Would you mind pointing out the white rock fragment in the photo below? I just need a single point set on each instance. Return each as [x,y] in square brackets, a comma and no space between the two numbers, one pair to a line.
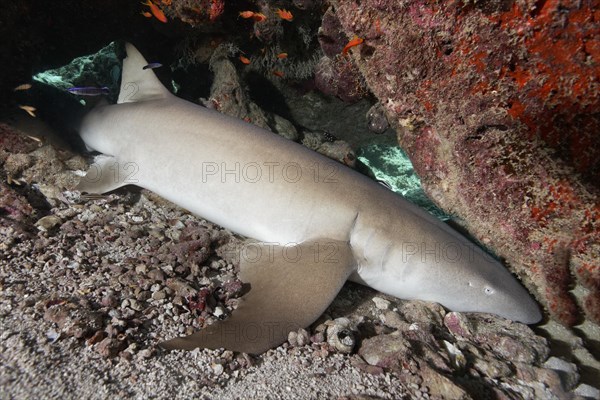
[145,353]
[380,303]
[86,215]
[218,311]
[587,391]
[52,335]
[155,288]
[135,305]
[458,358]
[159,295]
[217,368]
[48,222]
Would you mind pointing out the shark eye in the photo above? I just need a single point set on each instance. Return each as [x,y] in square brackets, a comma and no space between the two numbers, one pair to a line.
[488,290]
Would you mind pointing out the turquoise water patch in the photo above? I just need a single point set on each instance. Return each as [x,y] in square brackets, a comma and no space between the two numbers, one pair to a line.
[100,69]
[390,164]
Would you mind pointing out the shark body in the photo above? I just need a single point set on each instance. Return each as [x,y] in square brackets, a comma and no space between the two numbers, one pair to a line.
[316,222]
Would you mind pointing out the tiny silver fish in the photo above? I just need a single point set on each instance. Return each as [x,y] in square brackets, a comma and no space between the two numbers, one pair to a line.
[385,183]
[152,65]
[89,90]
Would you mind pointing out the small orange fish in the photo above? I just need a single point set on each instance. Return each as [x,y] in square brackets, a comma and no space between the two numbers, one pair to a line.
[156,11]
[281,56]
[354,42]
[278,73]
[29,109]
[259,17]
[247,14]
[25,86]
[285,14]
[166,2]
[244,60]
[146,14]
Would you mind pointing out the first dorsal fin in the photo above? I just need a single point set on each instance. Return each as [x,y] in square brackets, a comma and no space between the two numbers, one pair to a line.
[137,83]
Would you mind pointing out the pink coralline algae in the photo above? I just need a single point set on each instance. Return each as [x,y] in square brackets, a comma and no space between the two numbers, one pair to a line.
[336,74]
[339,77]
[13,142]
[14,206]
[497,106]
[196,12]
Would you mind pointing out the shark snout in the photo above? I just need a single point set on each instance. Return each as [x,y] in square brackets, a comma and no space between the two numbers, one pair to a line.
[509,299]
[487,286]
[474,283]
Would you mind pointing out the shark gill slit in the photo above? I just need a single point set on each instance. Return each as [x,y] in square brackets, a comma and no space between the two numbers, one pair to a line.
[385,255]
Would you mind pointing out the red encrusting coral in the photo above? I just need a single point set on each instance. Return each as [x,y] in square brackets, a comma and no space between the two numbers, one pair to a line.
[196,12]
[497,106]
[216,9]
[559,76]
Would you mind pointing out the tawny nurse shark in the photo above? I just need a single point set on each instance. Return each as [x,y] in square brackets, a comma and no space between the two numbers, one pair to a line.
[315,222]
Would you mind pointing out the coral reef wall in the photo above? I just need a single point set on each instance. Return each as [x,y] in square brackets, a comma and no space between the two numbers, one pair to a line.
[496,104]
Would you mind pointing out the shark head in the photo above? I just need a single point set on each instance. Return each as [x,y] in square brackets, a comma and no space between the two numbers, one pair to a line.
[457,274]
[446,268]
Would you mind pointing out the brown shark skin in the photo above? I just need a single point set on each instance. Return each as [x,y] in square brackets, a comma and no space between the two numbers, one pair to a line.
[276,191]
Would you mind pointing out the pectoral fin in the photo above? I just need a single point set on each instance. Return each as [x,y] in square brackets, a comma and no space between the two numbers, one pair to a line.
[291,286]
[107,173]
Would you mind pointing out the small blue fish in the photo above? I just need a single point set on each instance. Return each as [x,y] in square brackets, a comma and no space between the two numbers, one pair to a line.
[89,90]
[152,65]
